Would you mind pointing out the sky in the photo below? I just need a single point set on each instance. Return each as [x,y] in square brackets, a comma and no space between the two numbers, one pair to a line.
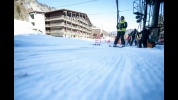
[55,68]
[102,13]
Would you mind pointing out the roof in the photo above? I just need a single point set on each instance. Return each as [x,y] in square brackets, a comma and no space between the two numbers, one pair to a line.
[36,12]
[70,11]
[65,10]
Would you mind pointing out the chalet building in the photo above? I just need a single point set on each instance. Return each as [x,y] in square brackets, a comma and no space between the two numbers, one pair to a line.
[65,23]
[68,23]
[37,21]
[97,32]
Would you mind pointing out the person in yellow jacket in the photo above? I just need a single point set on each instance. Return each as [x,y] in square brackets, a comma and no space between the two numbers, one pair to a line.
[121,28]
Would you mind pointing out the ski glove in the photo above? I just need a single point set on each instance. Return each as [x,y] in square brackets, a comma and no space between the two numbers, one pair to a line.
[119,26]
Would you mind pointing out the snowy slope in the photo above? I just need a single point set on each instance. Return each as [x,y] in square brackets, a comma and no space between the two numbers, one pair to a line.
[54,68]
[23,27]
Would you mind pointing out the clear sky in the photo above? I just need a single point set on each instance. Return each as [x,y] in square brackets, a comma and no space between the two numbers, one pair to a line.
[102,13]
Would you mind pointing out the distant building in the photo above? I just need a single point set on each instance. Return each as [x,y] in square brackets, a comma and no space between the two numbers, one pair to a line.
[37,21]
[98,32]
[67,23]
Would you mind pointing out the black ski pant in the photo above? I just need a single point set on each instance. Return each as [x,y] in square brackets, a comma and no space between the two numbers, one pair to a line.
[142,41]
[128,42]
[120,34]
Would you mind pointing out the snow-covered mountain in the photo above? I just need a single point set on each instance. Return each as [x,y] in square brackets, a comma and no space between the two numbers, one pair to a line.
[23,7]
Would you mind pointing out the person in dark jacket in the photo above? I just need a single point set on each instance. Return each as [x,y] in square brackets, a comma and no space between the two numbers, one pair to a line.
[144,38]
[121,28]
[138,37]
[133,33]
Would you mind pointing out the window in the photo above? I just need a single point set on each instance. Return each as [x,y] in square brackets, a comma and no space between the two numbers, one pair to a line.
[94,34]
[32,16]
[33,23]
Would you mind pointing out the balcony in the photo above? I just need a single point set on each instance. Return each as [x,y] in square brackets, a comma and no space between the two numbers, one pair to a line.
[55,24]
[82,20]
[55,18]
[57,34]
[55,31]
[66,18]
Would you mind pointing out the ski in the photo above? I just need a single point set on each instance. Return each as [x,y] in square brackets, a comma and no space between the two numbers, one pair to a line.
[116,46]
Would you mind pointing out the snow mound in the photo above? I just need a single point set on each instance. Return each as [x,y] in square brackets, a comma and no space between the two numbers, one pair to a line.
[23,27]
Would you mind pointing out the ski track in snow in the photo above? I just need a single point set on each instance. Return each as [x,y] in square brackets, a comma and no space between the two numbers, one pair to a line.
[115,74]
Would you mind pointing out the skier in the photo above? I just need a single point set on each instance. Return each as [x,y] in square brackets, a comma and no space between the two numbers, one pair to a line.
[121,28]
[128,39]
[133,34]
[144,38]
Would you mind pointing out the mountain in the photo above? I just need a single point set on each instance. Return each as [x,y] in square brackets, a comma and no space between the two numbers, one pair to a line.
[23,7]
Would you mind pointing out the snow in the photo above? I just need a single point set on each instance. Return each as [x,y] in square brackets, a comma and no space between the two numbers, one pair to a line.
[55,68]
[23,27]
